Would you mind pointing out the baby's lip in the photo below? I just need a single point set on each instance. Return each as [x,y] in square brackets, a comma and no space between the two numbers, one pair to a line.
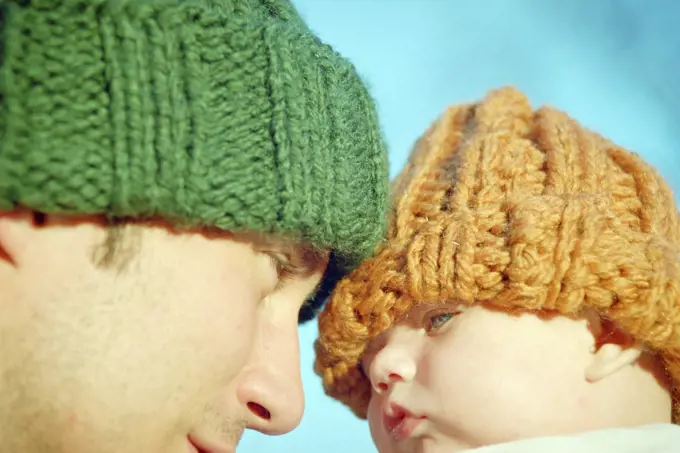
[399,422]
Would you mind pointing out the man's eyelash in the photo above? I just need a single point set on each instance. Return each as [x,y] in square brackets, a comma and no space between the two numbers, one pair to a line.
[285,272]
[283,267]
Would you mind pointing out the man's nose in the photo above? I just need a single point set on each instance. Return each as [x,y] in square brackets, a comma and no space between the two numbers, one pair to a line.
[271,388]
[395,362]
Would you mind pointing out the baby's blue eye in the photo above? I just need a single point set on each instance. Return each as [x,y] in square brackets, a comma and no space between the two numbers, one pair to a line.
[437,321]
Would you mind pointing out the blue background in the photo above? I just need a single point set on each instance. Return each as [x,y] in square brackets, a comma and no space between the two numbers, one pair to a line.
[608,63]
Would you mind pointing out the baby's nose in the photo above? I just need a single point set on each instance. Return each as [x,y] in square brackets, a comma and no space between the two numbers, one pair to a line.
[390,365]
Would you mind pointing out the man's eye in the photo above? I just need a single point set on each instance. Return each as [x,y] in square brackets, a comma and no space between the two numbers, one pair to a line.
[283,267]
[437,321]
[285,273]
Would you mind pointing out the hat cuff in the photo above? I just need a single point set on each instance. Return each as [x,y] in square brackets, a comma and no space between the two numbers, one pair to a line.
[180,113]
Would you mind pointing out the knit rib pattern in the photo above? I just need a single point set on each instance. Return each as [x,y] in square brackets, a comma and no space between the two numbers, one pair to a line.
[225,113]
[521,209]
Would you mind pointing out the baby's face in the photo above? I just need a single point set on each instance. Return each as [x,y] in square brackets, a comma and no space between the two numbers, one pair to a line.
[448,378]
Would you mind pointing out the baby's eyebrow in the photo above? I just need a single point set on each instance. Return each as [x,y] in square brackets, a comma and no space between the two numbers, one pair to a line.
[413,315]
[416,313]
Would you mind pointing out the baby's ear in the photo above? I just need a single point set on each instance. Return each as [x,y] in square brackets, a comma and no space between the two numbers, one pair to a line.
[614,350]
[611,358]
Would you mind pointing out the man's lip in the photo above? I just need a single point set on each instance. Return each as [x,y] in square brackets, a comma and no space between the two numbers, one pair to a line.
[202,445]
[399,422]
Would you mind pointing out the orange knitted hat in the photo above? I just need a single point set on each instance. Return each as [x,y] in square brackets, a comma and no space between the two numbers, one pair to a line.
[522,209]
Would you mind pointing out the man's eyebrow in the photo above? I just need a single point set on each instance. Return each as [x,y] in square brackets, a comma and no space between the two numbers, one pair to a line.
[305,259]
[298,258]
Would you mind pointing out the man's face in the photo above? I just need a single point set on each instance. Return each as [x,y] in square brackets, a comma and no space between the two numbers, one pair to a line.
[193,341]
[449,378]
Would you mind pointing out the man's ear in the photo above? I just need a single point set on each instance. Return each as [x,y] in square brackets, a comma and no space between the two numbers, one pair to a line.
[16,230]
[610,358]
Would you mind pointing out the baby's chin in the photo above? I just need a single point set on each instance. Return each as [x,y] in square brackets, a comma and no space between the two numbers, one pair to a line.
[421,445]
[428,440]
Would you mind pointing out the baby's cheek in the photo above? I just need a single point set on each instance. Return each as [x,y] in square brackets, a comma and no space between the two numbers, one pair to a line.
[460,375]
[374,417]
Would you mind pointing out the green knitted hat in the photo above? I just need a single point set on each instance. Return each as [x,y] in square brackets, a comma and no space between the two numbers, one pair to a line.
[223,113]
